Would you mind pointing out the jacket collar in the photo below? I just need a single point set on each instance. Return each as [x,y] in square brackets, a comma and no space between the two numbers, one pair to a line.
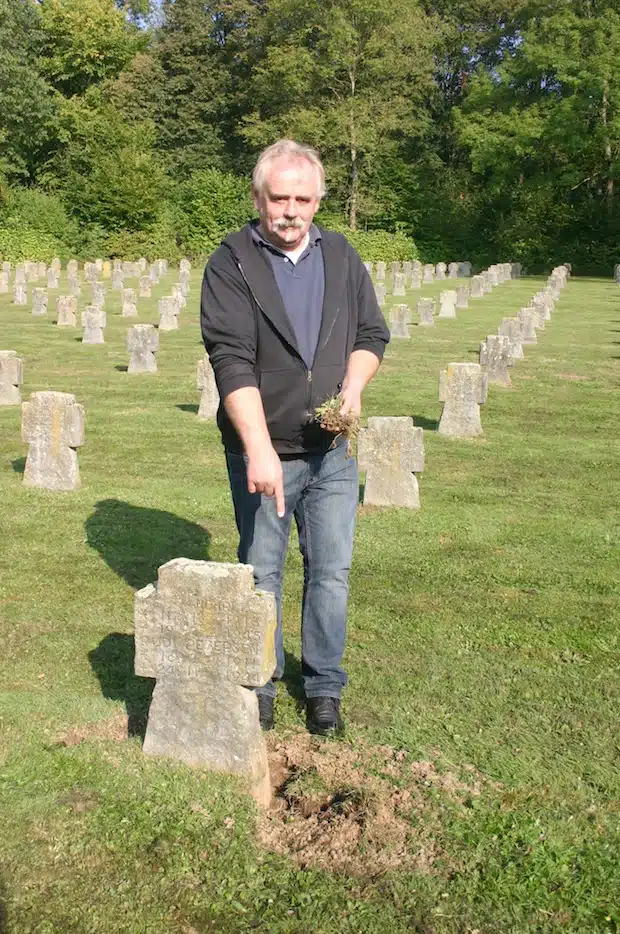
[258,274]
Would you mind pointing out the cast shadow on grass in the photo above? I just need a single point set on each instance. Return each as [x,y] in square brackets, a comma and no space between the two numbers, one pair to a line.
[19,466]
[428,424]
[113,663]
[188,407]
[135,541]
[121,367]
[360,492]
[293,682]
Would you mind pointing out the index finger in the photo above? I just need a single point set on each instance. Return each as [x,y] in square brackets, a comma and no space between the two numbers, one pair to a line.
[280,503]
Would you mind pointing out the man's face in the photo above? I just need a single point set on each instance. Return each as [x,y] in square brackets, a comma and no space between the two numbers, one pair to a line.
[288,202]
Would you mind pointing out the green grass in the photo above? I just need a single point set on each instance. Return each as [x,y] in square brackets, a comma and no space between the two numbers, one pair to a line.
[483,631]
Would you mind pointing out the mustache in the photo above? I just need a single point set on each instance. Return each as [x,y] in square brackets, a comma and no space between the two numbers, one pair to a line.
[285,223]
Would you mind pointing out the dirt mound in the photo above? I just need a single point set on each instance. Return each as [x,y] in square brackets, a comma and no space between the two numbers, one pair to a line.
[362,810]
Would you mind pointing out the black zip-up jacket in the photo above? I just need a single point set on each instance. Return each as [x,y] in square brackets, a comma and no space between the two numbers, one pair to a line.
[251,342]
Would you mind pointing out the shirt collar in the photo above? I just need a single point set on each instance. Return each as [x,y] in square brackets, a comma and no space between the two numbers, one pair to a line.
[314,235]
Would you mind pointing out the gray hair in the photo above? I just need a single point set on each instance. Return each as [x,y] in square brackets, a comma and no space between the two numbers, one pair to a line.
[295,152]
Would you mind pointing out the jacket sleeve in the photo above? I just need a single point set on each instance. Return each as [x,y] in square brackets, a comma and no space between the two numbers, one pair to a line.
[372,332]
[228,324]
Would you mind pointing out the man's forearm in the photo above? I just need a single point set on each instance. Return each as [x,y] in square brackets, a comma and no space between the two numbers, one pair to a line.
[362,366]
[244,408]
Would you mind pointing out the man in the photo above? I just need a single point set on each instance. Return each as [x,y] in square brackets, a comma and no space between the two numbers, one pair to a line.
[289,319]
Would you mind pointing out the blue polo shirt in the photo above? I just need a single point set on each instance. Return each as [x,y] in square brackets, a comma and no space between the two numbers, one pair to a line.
[302,287]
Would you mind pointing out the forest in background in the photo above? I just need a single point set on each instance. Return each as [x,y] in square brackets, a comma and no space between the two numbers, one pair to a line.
[474,129]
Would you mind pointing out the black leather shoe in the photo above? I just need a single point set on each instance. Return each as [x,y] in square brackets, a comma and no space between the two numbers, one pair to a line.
[265,711]
[324,716]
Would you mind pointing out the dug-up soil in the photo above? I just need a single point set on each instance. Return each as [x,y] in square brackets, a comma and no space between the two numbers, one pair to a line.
[360,810]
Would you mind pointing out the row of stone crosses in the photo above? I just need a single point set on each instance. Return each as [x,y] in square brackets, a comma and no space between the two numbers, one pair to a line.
[390,449]
[94,318]
[449,299]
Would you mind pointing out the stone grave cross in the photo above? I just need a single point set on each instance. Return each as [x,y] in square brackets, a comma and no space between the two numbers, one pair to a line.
[53,426]
[391,451]
[207,636]
[462,389]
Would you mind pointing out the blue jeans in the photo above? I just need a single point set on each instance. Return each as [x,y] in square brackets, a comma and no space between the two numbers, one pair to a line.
[321,492]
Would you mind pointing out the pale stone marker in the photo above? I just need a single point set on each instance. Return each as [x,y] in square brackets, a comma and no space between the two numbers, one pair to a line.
[4,282]
[6,268]
[477,287]
[20,274]
[117,279]
[209,396]
[142,344]
[93,322]
[400,320]
[398,284]
[154,273]
[380,293]
[453,271]
[207,636]
[528,326]
[178,296]
[487,282]
[538,314]
[66,308]
[184,265]
[39,302]
[462,296]
[367,267]
[146,287]
[53,426]
[416,281]
[20,295]
[380,271]
[465,270]
[11,377]
[440,271]
[429,273]
[496,355]
[394,268]
[426,312]
[128,303]
[52,278]
[74,286]
[447,304]
[511,328]
[98,294]
[72,267]
[391,451]
[516,270]
[462,389]
[168,314]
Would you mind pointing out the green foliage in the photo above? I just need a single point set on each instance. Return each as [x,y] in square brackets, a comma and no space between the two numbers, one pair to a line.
[109,172]
[209,206]
[21,242]
[26,104]
[152,242]
[373,245]
[84,42]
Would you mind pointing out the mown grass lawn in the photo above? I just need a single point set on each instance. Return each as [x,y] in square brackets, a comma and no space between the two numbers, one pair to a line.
[483,639]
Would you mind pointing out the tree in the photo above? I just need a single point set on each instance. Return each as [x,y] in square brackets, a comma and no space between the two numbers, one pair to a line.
[108,172]
[27,110]
[85,42]
[351,77]
[544,128]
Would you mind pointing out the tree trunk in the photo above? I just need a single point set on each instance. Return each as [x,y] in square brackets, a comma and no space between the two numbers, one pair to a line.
[609,187]
[353,198]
